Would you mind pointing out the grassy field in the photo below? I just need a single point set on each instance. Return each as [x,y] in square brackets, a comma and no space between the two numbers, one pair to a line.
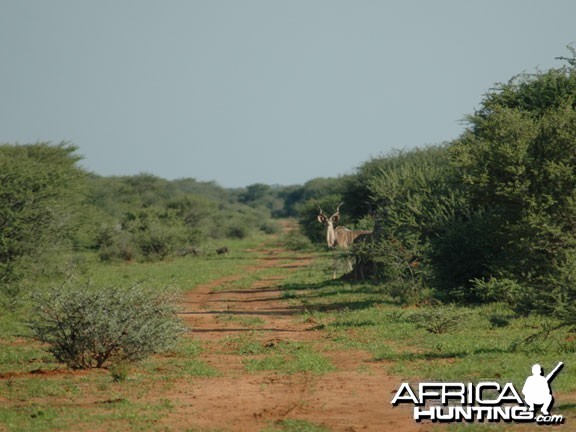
[444,343]
[413,343]
[37,394]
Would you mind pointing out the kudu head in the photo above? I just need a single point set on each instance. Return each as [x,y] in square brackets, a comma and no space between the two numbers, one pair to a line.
[329,223]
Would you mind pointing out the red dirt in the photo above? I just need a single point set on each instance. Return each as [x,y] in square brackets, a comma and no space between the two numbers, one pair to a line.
[354,398]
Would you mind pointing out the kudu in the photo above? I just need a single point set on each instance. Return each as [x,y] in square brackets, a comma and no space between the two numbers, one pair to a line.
[340,237]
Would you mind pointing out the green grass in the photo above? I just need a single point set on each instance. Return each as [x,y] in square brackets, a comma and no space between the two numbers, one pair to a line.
[290,358]
[51,404]
[66,415]
[23,356]
[183,273]
[121,398]
[442,343]
[46,402]
[245,344]
[415,343]
[295,425]
[178,273]
[445,343]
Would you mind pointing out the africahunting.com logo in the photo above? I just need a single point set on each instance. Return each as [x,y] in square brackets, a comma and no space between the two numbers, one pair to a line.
[486,401]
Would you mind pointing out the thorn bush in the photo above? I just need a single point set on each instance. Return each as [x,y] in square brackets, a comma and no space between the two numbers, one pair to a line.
[440,319]
[87,327]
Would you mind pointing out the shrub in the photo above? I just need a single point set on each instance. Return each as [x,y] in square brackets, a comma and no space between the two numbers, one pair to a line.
[296,241]
[440,319]
[516,162]
[119,372]
[87,327]
[116,244]
[237,232]
[147,234]
[270,227]
[414,198]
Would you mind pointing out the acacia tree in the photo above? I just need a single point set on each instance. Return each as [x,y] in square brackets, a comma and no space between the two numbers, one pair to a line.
[518,164]
[414,197]
[39,184]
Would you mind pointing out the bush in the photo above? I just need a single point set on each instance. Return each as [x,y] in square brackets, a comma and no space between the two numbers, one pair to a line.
[146,218]
[270,227]
[516,162]
[147,234]
[414,198]
[490,216]
[296,241]
[116,244]
[40,188]
[440,319]
[87,327]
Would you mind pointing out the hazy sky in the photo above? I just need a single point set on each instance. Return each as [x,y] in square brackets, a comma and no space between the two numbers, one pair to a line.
[269,91]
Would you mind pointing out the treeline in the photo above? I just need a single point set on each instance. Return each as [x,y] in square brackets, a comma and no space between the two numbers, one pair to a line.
[488,217]
[52,210]
[151,218]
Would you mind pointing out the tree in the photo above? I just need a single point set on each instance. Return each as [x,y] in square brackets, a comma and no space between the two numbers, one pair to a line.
[39,187]
[254,193]
[414,198]
[518,164]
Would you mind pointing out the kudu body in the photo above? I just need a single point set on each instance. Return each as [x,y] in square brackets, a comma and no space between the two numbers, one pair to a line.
[340,237]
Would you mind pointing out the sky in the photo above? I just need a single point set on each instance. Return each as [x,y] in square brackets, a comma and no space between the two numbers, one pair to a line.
[260,91]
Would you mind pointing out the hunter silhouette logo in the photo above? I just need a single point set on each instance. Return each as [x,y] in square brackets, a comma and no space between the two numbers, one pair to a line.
[537,390]
[485,401]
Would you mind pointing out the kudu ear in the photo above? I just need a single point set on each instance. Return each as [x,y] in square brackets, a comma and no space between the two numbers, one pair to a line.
[322,219]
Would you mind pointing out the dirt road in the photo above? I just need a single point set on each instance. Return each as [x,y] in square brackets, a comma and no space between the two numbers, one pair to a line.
[354,397]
